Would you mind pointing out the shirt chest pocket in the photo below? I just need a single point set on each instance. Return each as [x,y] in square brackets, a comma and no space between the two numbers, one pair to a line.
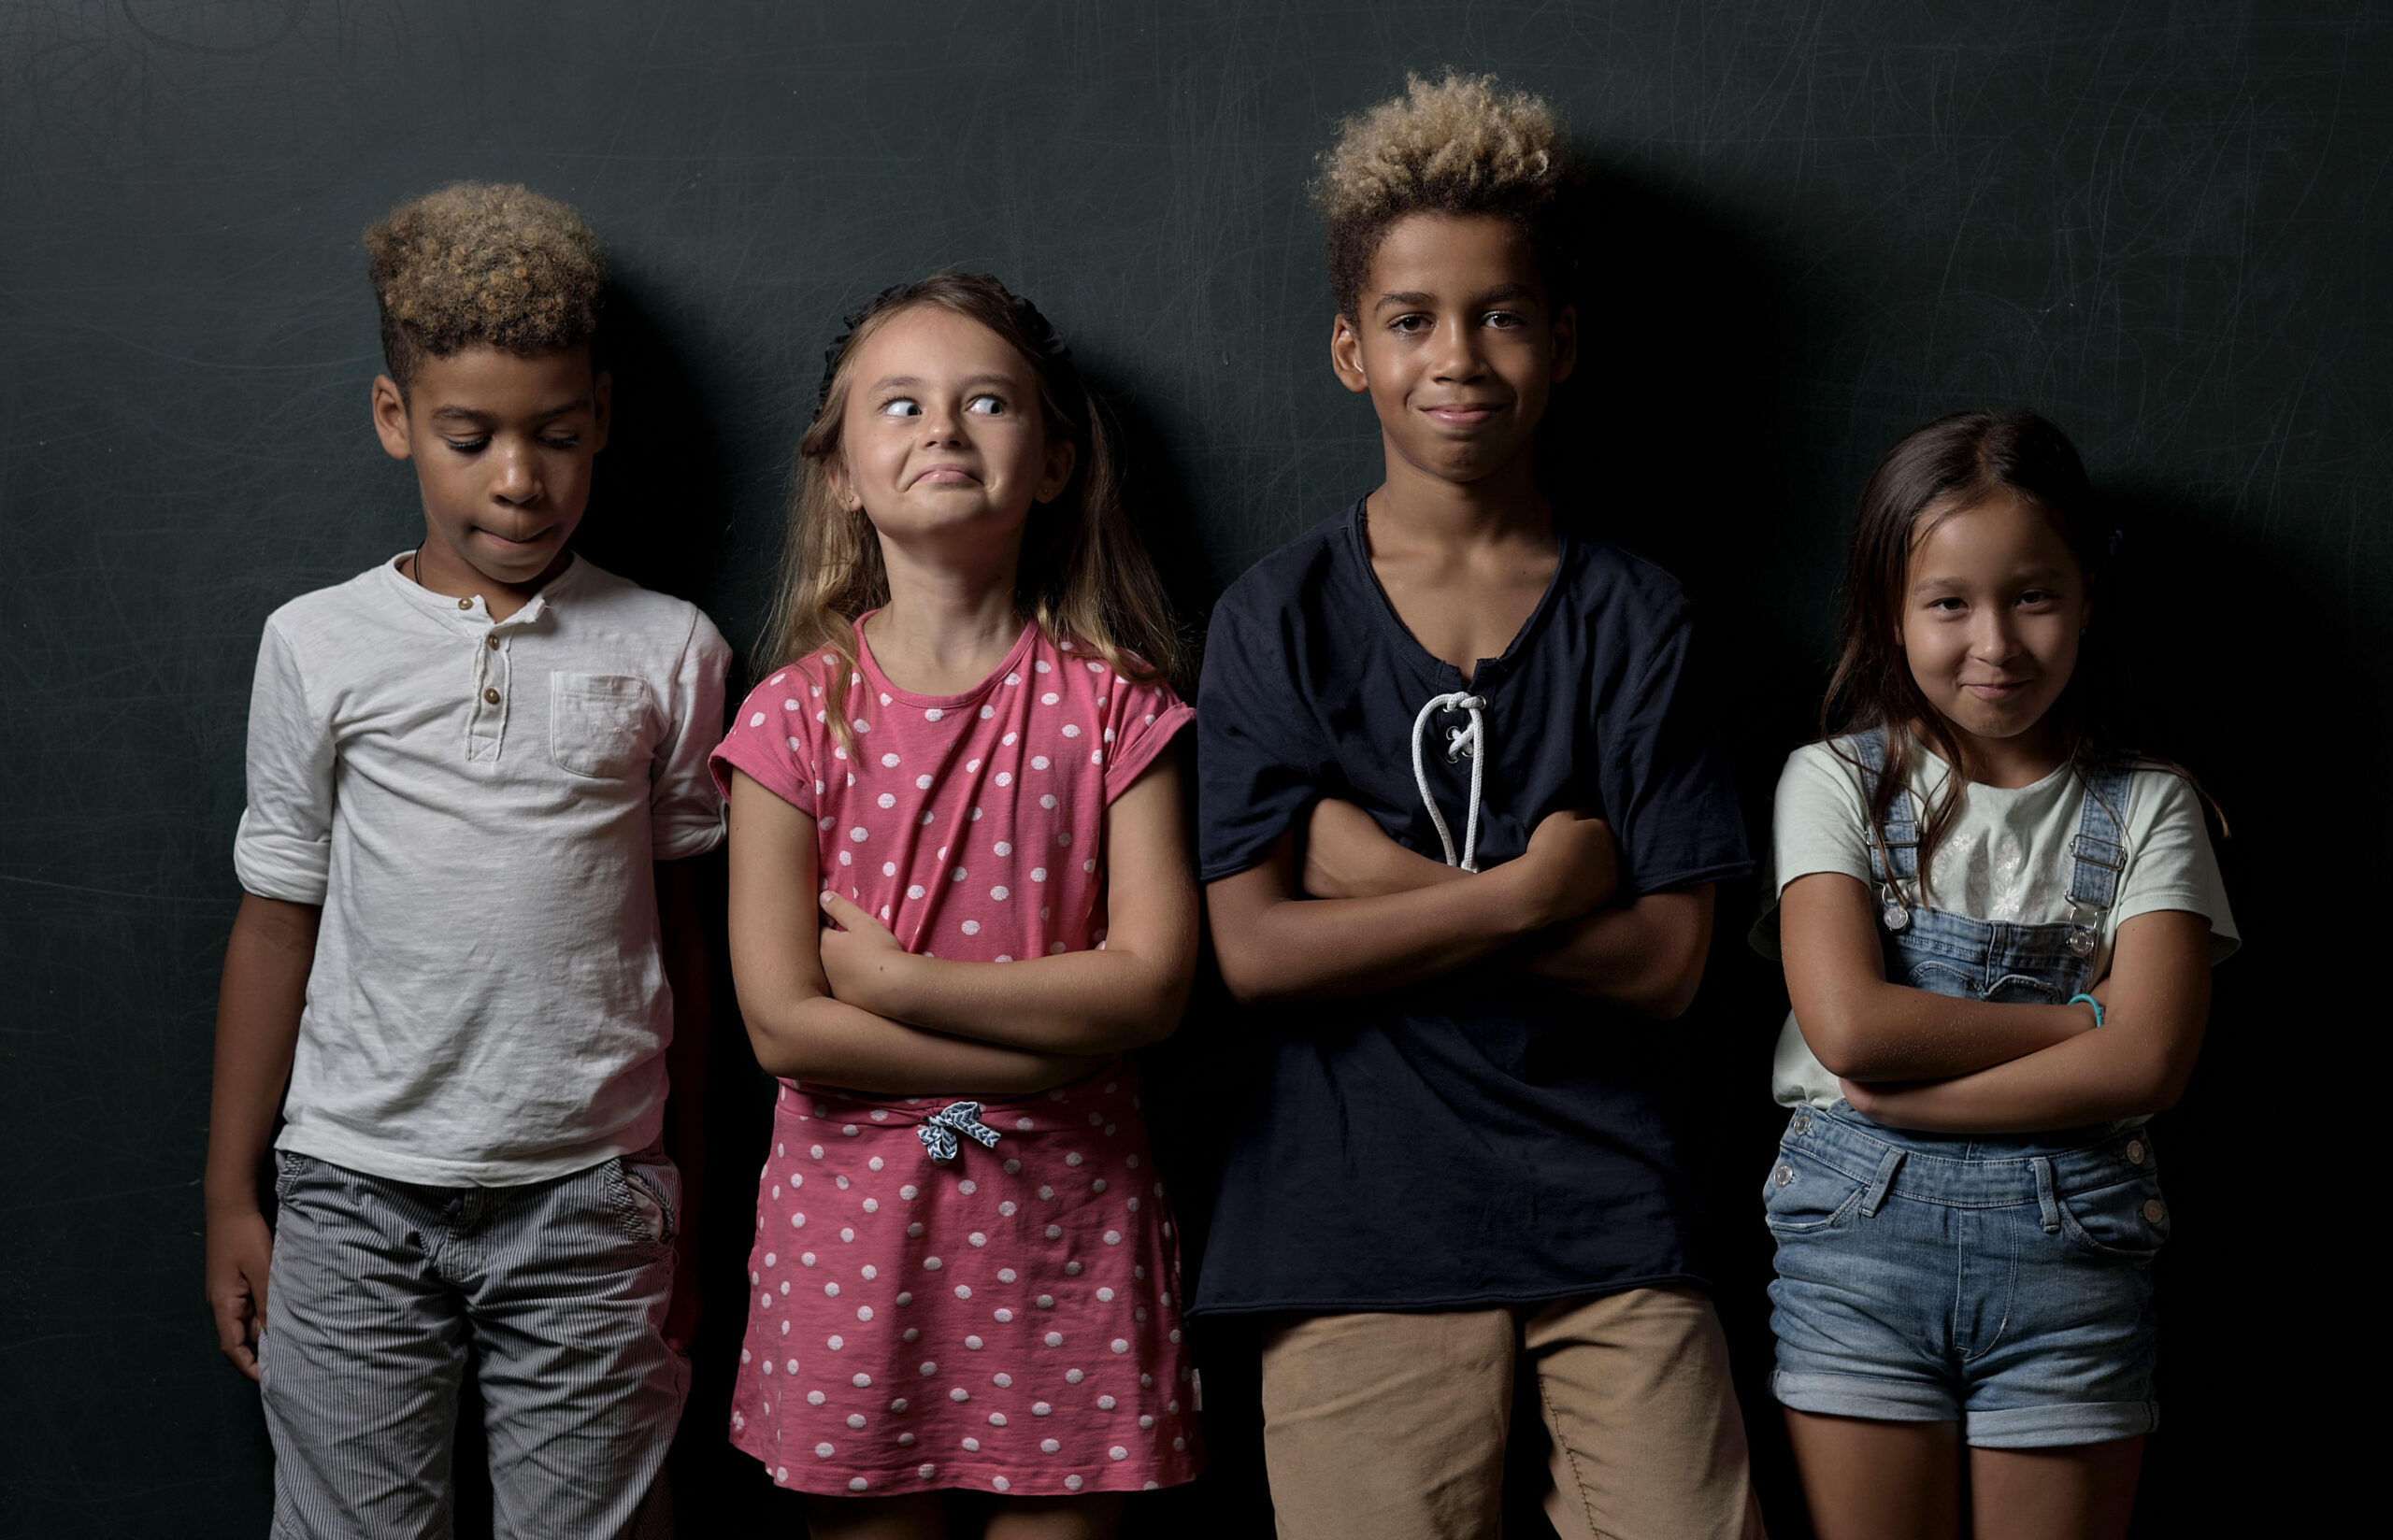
[598,724]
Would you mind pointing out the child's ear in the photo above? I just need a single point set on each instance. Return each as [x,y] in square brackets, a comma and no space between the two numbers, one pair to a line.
[1346,354]
[835,476]
[1566,343]
[1062,455]
[390,408]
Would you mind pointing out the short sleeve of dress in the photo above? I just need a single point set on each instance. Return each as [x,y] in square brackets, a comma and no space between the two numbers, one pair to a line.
[1258,765]
[1142,719]
[776,740]
[2172,864]
[1815,826]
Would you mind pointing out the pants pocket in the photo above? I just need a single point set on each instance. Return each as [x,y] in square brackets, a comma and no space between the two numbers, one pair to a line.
[2127,1220]
[647,1189]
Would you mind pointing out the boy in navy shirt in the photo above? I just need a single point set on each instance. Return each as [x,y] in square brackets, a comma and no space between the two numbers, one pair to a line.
[1459,834]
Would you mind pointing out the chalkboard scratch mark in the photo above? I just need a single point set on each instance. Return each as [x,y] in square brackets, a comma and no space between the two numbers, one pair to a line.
[105,892]
[76,1200]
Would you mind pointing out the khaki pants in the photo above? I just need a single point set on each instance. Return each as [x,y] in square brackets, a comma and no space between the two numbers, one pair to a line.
[1392,1426]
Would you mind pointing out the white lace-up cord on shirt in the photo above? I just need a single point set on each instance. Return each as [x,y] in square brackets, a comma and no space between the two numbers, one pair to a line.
[1471,740]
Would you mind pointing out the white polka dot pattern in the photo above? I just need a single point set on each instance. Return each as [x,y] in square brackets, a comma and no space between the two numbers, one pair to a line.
[1049,1356]
[995,778]
[1023,1295]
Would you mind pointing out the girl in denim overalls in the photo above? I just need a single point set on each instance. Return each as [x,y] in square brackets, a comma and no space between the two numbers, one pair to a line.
[1998,934]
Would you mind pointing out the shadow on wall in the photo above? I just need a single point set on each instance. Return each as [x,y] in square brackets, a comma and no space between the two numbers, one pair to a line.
[2243,704]
[660,509]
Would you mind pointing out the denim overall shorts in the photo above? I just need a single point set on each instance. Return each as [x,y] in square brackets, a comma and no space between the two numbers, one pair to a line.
[2004,1281]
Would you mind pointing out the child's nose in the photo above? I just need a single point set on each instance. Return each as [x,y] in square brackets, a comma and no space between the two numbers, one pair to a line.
[1994,637]
[517,476]
[1456,357]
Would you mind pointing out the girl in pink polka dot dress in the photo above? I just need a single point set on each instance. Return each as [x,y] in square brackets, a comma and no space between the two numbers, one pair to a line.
[959,893]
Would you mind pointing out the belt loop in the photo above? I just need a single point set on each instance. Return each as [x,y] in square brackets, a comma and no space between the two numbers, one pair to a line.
[1878,1185]
[2045,1198]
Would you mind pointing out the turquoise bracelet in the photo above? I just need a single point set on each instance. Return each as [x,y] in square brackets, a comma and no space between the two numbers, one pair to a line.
[2091,1001]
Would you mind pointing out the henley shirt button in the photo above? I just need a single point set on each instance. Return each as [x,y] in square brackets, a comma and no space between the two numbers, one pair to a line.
[464,603]
[1783,1175]
[2135,1152]
[2152,1210]
[491,695]
[491,642]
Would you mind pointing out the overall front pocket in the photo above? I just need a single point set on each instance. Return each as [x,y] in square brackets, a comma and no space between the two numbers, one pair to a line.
[1801,1195]
[599,723]
[2127,1221]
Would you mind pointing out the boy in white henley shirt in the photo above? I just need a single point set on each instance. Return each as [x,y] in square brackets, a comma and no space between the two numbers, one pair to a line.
[465,766]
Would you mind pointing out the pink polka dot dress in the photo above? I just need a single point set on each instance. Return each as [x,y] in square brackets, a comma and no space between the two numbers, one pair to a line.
[1008,1318]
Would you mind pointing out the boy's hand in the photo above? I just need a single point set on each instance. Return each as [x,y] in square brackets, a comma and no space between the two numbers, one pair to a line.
[240,1249]
[1571,866]
[1347,855]
[862,962]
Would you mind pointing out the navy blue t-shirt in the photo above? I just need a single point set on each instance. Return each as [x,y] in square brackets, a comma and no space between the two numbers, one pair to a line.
[1483,1137]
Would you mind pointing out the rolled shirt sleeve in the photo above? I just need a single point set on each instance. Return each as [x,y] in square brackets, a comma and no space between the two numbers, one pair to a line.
[284,848]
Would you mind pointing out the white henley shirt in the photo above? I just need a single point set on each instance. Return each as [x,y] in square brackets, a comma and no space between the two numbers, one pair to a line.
[478,805]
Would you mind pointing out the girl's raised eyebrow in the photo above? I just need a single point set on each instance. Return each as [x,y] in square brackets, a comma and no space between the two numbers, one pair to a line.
[909,382]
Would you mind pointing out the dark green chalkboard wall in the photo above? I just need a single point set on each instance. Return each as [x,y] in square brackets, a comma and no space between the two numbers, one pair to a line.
[2166,225]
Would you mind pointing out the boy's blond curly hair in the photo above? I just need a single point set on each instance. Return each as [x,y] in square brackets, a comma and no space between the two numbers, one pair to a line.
[487,263]
[1462,146]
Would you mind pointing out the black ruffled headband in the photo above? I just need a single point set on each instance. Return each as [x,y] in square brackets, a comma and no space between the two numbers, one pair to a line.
[1052,352]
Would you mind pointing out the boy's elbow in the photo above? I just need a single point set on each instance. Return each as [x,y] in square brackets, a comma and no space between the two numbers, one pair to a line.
[1248,971]
[1672,979]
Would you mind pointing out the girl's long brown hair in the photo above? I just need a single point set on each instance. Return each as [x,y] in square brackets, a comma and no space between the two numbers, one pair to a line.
[1951,465]
[1084,576]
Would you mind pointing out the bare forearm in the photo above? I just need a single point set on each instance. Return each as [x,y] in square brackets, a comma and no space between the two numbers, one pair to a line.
[833,1043]
[1325,948]
[1647,956]
[2095,1077]
[1878,1031]
[1074,1003]
[258,1005]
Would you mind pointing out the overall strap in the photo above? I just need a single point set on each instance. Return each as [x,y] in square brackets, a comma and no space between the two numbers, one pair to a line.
[1900,848]
[2097,853]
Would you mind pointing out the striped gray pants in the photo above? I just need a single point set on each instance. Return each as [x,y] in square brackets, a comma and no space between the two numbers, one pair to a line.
[380,1289]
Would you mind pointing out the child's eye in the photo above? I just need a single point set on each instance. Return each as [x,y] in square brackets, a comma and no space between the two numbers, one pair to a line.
[987,406]
[1502,321]
[1409,325]
[901,406]
[1949,605]
[565,442]
[470,446]
[2037,596]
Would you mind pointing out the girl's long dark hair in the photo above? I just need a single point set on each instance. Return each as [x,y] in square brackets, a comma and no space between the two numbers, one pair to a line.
[1951,465]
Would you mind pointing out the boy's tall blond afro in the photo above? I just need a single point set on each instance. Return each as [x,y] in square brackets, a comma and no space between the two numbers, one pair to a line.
[487,263]
[1462,146]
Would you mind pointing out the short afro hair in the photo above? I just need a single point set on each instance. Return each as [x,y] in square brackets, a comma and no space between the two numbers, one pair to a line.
[482,262]
[1460,147]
